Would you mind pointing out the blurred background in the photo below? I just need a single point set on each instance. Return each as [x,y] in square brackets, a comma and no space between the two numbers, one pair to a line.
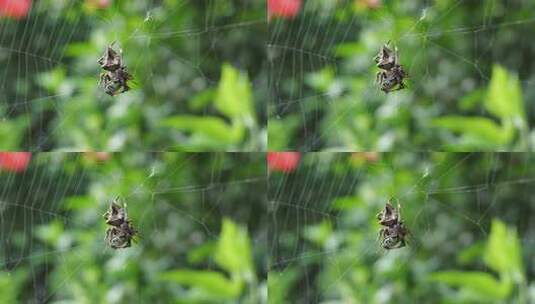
[470,85]
[200,80]
[470,218]
[202,233]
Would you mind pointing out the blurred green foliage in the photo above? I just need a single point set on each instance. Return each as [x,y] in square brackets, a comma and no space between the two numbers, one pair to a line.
[469,85]
[202,237]
[482,287]
[194,66]
[470,217]
[504,101]
[232,254]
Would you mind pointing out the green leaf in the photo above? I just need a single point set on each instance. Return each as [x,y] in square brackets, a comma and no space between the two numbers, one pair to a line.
[471,253]
[213,128]
[79,202]
[234,96]
[481,283]
[503,252]
[504,97]
[350,49]
[53,79]
[11,132]
[50,233]
[319,233]
[322,79]
[80,49]
[478,129]
[473,99]
[11,284]
[210,282]
[281,131]
[201,253]
[233,252]
[280,284]
[202,99]
[346,202]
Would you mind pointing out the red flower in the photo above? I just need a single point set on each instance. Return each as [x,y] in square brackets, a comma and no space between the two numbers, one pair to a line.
[283,161]
[283,8]
[98,3]
[15,161]
[17,9]
[97,156]
[371,4]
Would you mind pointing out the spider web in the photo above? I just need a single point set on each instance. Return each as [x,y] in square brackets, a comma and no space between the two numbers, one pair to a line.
[59,39]
[322,74]
[52,231]
[324,245]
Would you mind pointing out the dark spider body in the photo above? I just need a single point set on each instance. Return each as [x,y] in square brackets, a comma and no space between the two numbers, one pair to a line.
[115,78]
[115,82]
[386,59]
[394,232]
[389,79]
[394,236]
[121,236]
[392,74]
[388,216]
[116,214]
[110,61]
[121,231]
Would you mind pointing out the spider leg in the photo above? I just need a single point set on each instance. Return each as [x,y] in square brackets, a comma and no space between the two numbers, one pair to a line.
[379,215]
[381,76]
[382,248]
[383,245]
[101,80]
[381,237]
[109,233]
[400,86]
[381,233]
[400,244]
[378,77]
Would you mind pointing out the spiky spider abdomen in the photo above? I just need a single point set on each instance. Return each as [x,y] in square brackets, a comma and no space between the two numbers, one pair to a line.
[393,232]
[121,231]
[115,77]
[392,74]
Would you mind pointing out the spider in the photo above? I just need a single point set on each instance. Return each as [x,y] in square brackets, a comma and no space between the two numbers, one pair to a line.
[110,61]
[394,232]
[389,215]
[120,236]
[386,58]
[116,75]
[391,76]
[391,80]
[114,81]
[115,215]
[394,236]
[121,231]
